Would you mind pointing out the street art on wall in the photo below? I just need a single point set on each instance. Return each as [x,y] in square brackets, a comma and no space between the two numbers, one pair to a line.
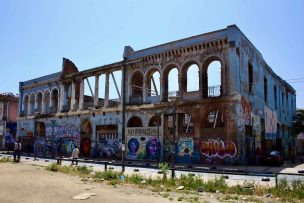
[39,148]
[246,111]
[108,144]
[188,150]
[185,147]
[143,144]
[217,150]
[271,121]
[67,134]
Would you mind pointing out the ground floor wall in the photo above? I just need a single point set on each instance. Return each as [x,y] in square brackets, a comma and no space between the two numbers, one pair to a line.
[234,131]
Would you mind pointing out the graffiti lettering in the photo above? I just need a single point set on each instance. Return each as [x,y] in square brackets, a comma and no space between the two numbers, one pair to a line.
[62,131]
[217,148]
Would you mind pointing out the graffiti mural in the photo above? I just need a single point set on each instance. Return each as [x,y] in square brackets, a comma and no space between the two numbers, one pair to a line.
[188,150]
[109,145]
[217,150]
[67,134]
[39,146]
[143,148]
[246,111]
[271,121]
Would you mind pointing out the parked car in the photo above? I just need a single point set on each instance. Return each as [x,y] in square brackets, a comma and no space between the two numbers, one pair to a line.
[274,159]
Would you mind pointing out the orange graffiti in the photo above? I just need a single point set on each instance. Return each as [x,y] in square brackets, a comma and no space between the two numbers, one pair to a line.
[218,148]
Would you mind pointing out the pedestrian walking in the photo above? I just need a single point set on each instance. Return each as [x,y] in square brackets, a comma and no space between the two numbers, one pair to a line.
[75,154]
[59,153]
[17,151]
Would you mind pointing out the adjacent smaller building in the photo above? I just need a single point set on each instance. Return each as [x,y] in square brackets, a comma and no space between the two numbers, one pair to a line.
[8,119]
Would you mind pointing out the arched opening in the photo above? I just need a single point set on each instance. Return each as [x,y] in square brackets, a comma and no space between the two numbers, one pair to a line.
[172,84]
[85,137]
[192,79]
[32,104]
[135,122]
[46,97]
[155,121]
[39,102]
[54,98]
[137,85]
[25,104]
[214,78]
[153,85]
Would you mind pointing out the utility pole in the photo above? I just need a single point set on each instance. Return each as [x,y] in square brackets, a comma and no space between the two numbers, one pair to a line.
[123,138]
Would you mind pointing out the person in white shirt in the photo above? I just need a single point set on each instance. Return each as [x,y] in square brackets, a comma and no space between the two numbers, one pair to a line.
[17,151]
[75,154]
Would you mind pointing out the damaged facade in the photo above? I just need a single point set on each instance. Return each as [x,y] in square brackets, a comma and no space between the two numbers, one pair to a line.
[210,98]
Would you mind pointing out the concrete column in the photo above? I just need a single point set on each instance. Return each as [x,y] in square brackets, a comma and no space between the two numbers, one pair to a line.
[73,96]
[81,95]
[61,98]
[181,86]
[96,98]
[162,89]
[36,102]
[144,92]
[200,73]
[29,109]
[43,104]
[106,99]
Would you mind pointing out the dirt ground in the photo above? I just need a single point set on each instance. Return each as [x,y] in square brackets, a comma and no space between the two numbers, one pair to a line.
[29,183]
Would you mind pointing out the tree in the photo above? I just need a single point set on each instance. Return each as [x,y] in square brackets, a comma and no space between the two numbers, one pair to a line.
[298,121]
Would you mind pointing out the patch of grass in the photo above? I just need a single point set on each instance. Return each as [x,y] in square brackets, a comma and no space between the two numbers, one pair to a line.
[164,167]
[135,179]
[53,167]
[170,198]
[107,175]
[76,171]
[217,184]
[288,191]
[5,159]
[180,198]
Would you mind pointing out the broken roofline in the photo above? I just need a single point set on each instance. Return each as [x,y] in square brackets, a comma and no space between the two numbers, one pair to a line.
[170,46]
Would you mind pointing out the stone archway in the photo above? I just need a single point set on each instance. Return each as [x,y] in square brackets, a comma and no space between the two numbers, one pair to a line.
[85,138]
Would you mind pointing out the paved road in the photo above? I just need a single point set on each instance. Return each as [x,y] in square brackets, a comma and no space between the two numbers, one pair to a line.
[234,175]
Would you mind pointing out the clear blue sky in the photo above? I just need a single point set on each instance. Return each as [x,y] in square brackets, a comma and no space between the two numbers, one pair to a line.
[35,34]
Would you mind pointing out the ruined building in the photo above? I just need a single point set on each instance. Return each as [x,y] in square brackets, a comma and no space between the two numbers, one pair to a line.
[209,98]
[8,120]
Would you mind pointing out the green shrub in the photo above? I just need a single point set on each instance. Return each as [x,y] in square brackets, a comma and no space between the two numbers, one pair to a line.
[107,175]
[135,179]
[84,169]
[5,159]
[53,167]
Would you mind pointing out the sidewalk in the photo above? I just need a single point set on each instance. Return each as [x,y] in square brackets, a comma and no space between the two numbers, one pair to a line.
[288,166]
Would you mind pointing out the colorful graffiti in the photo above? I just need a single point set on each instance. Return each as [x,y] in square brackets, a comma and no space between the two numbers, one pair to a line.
[185,147]
[217,148]
[68,135]
[246,111]
[62,131]
[108,145]
[271,121]
[39,146]
[143,148]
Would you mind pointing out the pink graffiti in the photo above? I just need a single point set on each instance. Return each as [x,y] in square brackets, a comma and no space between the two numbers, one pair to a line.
[217,148]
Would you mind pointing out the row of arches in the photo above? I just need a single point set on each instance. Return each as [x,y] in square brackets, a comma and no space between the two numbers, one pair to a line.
[173,81]
[44,102]
[212,119]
